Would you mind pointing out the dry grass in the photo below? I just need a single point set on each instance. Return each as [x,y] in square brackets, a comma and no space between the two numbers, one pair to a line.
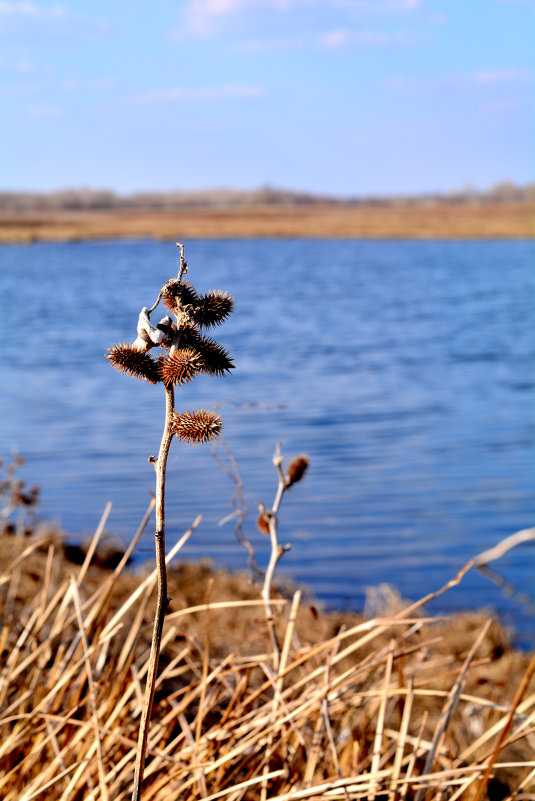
[455,221]
[398,707]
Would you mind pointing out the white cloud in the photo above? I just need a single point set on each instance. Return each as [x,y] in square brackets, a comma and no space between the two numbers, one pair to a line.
[489,77]
[206,17]
[243,91]
[23,16]
[39,111]
[31,11]
[372,38]
[379,6]
[24,66]
[336,38]
[501,76]
[271,44]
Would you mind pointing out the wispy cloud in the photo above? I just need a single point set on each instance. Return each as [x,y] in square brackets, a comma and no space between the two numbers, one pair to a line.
[501,76]
[39,111]
[31,11]
[333,39]
[208,17]
[89,85]
[272,44]
[226,91]
[23,66]
[373,38]
[24,15]
[203,17]
[380,6]
[483,77]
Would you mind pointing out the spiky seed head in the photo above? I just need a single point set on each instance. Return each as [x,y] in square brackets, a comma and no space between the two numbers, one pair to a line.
[216,360]
[189,334]
[196,426]
[177,293]
[213,309]
[296,470]
[180,366]
[128,359]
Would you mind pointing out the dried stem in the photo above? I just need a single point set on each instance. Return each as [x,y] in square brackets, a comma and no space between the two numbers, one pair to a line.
[182,270]
[183,266]
[277,552]
[162,601]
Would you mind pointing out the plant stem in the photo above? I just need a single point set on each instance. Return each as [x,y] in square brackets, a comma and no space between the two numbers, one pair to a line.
[277,551]
[162,601]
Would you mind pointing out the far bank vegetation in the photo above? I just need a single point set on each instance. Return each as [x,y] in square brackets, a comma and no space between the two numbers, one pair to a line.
[87,199]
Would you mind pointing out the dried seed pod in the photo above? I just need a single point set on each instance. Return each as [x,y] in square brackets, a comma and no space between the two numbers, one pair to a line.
[189,334]
[128,359]
[176,294]
[296,470]
[213,309]
[262,521]
[197,426]
[180,366]
[215,358]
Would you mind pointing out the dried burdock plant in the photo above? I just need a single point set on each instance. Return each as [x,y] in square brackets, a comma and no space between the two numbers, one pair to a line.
[186,353]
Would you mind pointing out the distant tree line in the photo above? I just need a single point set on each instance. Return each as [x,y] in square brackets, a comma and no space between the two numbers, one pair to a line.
[86,199]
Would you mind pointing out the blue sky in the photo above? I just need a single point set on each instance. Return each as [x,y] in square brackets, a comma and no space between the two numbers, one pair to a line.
[336,96]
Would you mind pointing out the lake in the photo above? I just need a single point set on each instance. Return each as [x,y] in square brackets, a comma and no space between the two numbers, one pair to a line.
[403,369]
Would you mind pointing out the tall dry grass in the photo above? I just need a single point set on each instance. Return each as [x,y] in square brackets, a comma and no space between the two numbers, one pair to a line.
[396,707]
[440,221]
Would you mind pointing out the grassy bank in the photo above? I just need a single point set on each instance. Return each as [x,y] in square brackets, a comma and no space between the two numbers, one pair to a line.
[337,221]
[396,707]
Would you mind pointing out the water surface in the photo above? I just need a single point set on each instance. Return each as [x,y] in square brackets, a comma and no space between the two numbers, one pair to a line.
[403,369]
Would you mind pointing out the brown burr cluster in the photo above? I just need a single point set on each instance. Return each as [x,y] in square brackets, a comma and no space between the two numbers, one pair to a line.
[185,350]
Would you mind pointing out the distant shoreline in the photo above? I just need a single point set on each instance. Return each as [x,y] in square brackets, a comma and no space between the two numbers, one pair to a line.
[427,221]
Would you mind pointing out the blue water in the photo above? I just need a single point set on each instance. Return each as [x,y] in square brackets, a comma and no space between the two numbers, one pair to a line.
[403,369]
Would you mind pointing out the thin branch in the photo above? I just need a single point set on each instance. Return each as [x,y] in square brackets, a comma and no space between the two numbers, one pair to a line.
[277,552]
[183,268]
[526,535]
[160,293]
[183,265]
[162,601]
